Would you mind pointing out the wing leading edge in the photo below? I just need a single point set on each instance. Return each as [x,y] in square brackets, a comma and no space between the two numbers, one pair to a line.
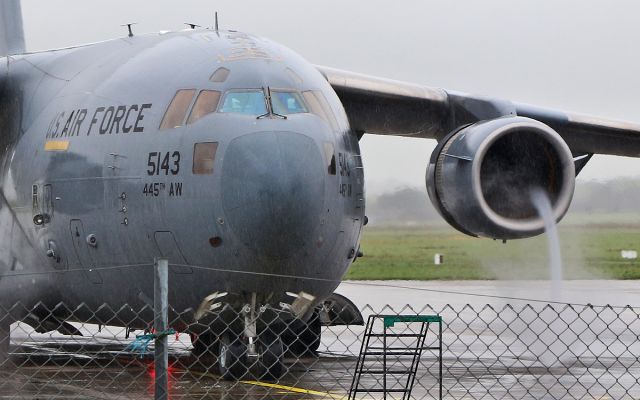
[386,107]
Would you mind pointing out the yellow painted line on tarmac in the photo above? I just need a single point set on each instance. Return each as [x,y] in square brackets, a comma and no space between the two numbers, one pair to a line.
[289,389]
[295,389]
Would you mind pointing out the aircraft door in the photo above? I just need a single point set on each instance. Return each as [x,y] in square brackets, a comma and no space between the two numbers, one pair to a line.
[117,200]
[41,205]
[81,248]
[43,211]
[168,247]
[115,169]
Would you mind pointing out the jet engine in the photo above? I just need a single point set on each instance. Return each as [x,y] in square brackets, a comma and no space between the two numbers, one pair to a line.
[481,177]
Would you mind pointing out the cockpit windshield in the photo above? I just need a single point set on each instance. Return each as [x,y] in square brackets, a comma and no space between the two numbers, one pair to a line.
[250,102]
[287,102]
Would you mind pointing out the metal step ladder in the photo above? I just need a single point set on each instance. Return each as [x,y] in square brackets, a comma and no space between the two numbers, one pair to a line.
[391,349]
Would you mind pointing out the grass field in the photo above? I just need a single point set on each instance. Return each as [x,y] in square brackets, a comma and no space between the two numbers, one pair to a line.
[590,244]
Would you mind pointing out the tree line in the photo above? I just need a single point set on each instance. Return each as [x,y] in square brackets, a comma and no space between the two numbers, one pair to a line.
[412,205]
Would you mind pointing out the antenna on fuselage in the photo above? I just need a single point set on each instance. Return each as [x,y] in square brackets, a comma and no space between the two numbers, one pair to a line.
[216,25]
[129,27]
[193,26]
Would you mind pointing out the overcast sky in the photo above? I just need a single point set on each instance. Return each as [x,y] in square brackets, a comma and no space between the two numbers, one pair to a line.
[576,55]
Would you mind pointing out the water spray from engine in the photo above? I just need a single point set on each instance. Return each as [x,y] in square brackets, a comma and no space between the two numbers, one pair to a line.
[541,202]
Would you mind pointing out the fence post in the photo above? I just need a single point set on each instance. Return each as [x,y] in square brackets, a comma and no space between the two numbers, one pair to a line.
[160,306]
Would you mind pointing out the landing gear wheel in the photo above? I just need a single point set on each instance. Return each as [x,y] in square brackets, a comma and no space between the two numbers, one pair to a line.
[303,338]
[271,365]
[205,344]
[310,336]
[232,358]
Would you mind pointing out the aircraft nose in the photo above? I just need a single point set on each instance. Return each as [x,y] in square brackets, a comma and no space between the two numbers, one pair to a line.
[273,191]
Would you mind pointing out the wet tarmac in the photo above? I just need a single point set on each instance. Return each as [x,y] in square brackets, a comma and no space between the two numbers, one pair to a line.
[58,369]
[528,354]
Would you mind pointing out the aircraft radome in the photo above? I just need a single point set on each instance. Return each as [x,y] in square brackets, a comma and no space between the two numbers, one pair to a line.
[237,160]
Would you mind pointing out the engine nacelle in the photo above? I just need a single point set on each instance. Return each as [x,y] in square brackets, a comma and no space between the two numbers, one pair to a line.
[480,177]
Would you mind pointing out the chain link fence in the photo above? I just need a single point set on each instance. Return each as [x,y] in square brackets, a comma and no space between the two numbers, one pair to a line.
[488,352]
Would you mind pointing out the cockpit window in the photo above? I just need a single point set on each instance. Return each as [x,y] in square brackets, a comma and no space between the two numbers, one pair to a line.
[319,106]
[287,102]
[330,156]
[250,102]
[220,75]
[204,156]
[206,103]
[177,110]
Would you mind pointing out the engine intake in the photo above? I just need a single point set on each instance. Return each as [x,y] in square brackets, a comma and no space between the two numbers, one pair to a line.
[480,177]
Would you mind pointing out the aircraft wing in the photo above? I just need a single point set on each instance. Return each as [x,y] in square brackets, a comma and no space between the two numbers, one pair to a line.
[386,107]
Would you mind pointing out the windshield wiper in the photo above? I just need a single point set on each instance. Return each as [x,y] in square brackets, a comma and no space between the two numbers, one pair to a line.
[270,113]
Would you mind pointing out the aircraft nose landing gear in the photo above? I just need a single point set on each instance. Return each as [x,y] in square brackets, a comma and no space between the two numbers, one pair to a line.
[235,362]
[251,355]
[232,358]
[271,364]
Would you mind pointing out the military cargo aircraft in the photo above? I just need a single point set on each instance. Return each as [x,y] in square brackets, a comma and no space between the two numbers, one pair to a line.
[237,160]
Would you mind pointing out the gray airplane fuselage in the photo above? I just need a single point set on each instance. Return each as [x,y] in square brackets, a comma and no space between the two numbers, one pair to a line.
[94,189]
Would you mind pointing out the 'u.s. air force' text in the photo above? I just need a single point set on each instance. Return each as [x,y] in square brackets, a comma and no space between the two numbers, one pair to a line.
[104,120]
